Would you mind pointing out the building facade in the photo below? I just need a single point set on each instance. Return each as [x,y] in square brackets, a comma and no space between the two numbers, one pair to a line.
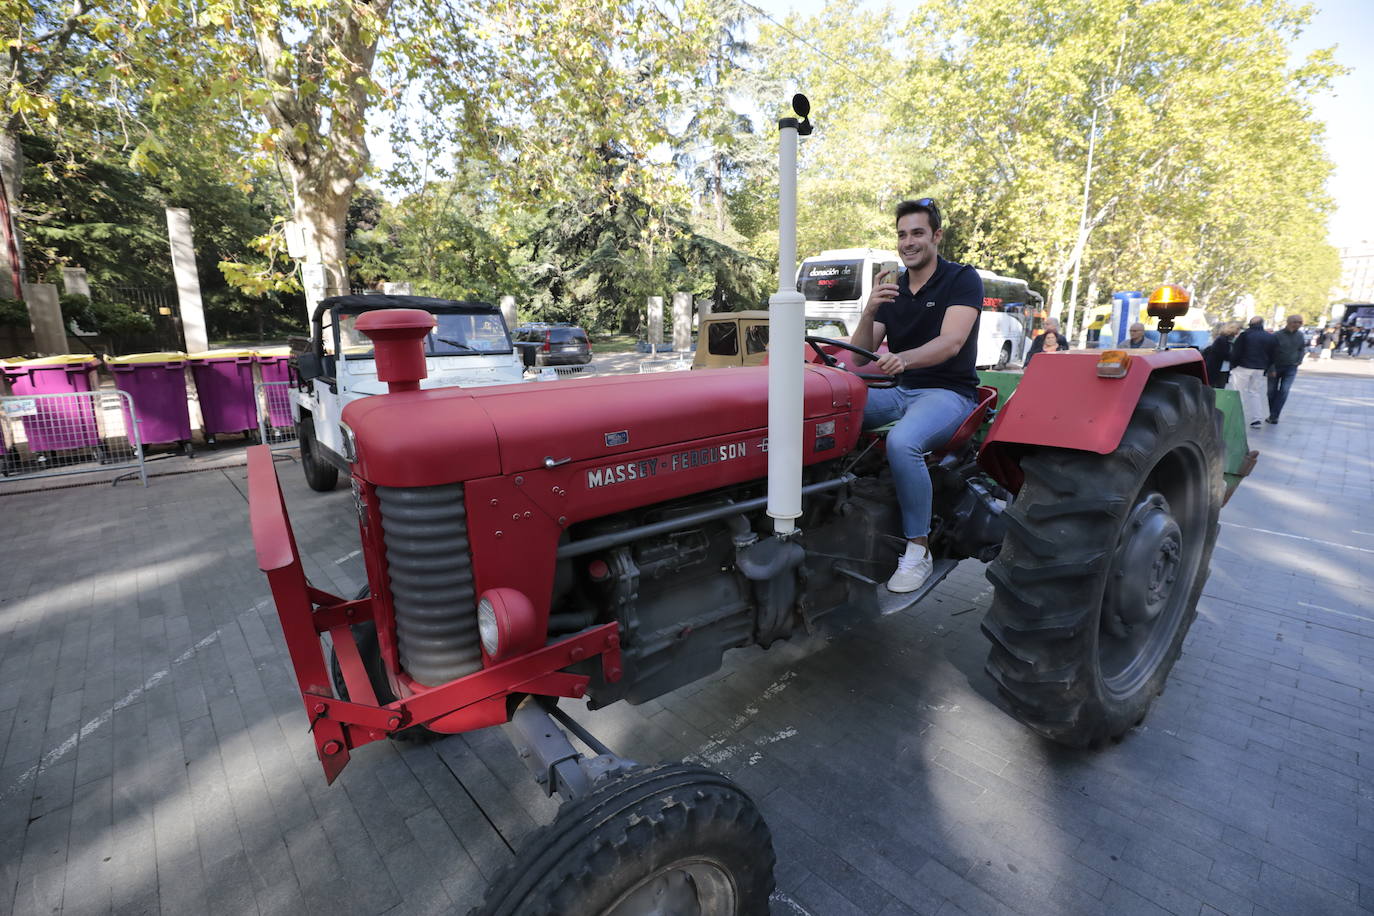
[1357,272]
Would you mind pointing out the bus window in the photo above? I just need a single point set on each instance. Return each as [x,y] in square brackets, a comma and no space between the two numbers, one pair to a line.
[831,281]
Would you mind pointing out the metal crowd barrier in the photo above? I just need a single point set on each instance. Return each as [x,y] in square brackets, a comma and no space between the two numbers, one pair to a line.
[276,415]
[48,435]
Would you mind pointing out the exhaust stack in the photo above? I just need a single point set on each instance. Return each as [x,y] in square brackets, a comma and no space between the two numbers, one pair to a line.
[398,337]
[787,328]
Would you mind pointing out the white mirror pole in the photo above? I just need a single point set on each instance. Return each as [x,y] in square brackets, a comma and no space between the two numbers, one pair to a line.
[785,343]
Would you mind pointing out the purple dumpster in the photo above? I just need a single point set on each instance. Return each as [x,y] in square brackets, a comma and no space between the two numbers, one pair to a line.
[224,384]
[275,372]
[57,423]
[7,457]
[156,382]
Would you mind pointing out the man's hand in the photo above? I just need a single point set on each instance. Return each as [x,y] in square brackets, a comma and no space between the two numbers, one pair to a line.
[883,292]
[890,364]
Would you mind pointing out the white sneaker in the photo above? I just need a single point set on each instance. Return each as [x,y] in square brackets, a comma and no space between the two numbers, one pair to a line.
[913,569]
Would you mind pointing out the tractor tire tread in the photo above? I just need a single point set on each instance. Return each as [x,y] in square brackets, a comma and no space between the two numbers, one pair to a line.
[320,476]
[564,867]
[1043,621]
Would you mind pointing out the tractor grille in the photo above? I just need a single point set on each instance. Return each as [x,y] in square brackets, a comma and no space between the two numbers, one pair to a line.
[426,535]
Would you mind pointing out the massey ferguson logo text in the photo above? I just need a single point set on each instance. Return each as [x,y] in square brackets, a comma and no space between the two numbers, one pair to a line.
[667,464]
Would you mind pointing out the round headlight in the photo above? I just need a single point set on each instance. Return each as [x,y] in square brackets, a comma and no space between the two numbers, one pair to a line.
[487,628]
[507,624]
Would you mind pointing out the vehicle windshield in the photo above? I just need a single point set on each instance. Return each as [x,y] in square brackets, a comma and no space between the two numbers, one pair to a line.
[825,327]
[831,281]
[456,333]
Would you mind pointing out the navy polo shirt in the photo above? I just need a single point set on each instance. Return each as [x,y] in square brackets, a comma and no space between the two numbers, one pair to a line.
[913,319]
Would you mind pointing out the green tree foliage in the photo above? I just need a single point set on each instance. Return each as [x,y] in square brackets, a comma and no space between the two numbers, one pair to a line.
[445,239]
[89,208]
[595,261]
[530,88]
[13,313]
[1208,166]
[865,154]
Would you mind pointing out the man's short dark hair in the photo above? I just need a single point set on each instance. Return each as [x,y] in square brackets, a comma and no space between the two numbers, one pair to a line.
[1256,322]
[925,205]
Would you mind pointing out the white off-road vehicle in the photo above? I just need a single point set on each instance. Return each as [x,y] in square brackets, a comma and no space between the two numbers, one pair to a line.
[469,346]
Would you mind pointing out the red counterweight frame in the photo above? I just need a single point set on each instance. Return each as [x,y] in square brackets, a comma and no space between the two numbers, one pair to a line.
[307,613]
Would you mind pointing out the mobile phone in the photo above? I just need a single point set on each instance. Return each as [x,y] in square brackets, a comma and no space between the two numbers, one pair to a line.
[887,272]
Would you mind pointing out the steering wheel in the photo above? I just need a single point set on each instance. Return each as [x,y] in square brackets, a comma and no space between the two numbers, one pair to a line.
[874,380]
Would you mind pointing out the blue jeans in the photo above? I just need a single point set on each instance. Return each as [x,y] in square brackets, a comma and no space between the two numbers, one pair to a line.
[1279,383]
[926,418]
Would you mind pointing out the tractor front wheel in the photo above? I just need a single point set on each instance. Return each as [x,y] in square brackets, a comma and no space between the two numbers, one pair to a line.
[1104,560]
[672,838]
[319,473]
[365,636]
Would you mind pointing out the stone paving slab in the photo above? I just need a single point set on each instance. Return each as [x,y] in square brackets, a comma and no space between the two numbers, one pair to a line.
[154,755]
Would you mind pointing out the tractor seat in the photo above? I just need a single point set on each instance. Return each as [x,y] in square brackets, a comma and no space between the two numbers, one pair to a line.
[987,403]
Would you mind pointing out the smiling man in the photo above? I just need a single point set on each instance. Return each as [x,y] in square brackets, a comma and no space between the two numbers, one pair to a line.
[930,320]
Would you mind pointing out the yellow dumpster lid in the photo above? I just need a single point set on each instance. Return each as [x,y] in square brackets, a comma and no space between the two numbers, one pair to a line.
[65,359]
[168,357]
[272,351]
[222,354]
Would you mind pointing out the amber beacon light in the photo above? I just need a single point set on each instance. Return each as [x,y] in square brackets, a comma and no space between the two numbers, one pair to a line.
[1168,301]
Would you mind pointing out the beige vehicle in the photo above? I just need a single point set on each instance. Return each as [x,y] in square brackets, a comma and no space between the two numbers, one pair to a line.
[728,339]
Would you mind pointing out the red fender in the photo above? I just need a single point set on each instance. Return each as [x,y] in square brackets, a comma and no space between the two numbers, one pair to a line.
[1061,402]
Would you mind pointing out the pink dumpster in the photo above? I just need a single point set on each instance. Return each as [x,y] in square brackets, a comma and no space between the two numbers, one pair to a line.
[156,382]
[57,423]
[224,384]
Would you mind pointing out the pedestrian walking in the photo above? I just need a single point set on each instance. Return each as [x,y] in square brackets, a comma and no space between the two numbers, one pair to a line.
[1252,356]
[1326,342]
[1288,352]
[1217,356]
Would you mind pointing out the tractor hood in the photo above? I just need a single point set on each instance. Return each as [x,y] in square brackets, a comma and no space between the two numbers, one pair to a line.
[426,438]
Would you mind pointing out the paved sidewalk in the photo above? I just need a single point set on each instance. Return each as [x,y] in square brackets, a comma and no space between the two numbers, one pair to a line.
[154,755]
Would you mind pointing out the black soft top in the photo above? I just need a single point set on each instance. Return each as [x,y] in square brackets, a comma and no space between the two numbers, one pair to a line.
[370,303]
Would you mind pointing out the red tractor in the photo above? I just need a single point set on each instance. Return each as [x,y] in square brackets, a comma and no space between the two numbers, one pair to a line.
[610,538]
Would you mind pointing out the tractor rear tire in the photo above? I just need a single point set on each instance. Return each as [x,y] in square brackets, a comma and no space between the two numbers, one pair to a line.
[1104,560]
[319,473]
[672,838]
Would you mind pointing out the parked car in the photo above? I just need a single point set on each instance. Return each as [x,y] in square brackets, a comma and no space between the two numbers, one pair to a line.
[469,347]
[553,345]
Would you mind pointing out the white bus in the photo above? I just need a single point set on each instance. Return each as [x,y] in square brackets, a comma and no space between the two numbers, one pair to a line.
[1012,312]
[836,283]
